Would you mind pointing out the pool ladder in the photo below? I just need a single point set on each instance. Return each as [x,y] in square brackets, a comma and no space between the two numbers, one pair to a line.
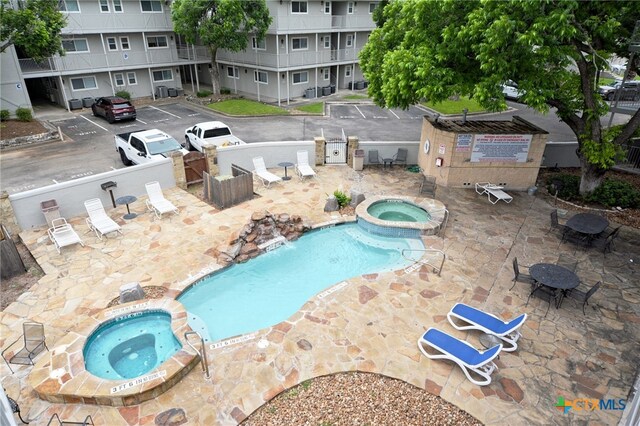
[435,268]
[202,353]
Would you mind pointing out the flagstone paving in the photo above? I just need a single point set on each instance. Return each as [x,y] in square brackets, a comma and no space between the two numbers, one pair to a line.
[372,324]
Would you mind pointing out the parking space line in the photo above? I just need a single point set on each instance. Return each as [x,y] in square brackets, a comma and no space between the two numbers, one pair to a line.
[93,122]
[363,116]
[394,114]
[143,122]
[166,112]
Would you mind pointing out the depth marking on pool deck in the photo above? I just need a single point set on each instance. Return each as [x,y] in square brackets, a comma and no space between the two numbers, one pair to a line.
[233,341]
[127,309]
[414,267]
[138,381]
[333,289]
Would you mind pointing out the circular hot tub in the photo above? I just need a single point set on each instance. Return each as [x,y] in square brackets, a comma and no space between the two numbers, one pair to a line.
[400,216]
[398,211]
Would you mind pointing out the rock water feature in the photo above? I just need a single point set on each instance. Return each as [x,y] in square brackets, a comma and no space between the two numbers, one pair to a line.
[264,232]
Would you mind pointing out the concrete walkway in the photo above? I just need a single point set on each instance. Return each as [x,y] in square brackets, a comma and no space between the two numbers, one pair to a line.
[372,324]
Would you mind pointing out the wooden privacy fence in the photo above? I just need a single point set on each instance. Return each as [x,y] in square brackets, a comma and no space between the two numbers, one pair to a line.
[227,191]
[195,165]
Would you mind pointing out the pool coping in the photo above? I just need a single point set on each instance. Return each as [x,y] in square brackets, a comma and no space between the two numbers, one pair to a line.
[61,377]
[435,208]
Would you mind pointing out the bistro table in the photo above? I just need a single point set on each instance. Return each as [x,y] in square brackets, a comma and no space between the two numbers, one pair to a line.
[554,276]
[587,224]
[388,161]
[126,200]
[286,164]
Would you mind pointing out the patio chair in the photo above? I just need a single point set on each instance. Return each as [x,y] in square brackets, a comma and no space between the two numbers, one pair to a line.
[428,186]
[263,174]
[583,297]
[98,220]
[556,224]
[520,276]
[548,294]
[401,156]
[374,158]
[465,317]
[34,342]
[62,234]
[605,240]
[156,201]
[494,191]
[303,168]
[468,358]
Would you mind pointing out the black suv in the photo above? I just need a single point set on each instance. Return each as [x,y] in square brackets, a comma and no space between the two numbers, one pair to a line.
[629,91]
[114,108]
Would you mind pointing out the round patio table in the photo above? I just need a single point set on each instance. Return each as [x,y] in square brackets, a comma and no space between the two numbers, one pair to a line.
[554,276]
[126,200]
[285,164]
[588,223]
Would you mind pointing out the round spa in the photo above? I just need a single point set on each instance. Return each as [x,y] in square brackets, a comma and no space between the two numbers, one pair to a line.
[130,346]
[399,211]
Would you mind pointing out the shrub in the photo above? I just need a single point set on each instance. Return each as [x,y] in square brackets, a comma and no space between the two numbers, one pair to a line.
[4,115]
[24,114]
[342,198]
[616,193]
[568,186]
[124,94]
[225,91]
[203,93]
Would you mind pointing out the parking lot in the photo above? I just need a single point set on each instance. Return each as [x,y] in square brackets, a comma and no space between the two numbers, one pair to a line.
[374,112]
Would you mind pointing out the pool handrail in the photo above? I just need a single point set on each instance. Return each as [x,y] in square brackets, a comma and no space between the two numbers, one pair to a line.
[439,269]
[202,353]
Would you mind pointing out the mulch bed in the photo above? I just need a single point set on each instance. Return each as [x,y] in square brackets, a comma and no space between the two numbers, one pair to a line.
[13,128]
[150,292]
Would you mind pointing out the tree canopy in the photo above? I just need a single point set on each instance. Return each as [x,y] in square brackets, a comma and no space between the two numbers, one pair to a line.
[35,26]
[554,50]
[220,24]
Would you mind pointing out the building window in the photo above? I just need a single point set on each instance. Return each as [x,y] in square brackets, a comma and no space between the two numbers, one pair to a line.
[347,71]
[83,83]
[325,73]
[119,79]
[298,7]
[327,7]
[124,43]
[111,43]
[156,41]
[372,6]
[75,45]
[104,6]
[117,6]
[232,72]
[258,44]
[162,75]
[299,43]
[131,78]
[151,5]
[327,42]
[70,6]
[349,40]
[260,77]
[300,77]
[350,8]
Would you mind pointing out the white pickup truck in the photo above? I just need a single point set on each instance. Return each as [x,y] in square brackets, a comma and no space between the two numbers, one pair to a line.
[144,146]
[213,133]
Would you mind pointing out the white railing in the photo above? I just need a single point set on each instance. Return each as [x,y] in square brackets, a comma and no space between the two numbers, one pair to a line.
[293,59]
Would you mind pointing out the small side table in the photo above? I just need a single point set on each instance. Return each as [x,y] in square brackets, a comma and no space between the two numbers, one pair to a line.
[126,200]
[388,161]
[489,340]
[286,164]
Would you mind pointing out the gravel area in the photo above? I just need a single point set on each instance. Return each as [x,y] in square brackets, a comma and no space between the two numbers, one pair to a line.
[358,399]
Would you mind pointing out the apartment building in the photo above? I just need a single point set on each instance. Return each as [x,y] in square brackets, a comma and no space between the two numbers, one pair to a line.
[114,45]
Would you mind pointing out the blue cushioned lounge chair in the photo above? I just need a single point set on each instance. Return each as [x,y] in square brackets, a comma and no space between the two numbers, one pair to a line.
[466,356]
[475,319]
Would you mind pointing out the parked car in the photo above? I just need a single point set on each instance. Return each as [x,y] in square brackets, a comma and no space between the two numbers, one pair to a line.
[629,91]
[114,108]
[510,90]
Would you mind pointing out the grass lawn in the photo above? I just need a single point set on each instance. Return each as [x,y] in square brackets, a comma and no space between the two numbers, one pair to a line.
[246,107]
[355,97]
[314,108]
[455,107]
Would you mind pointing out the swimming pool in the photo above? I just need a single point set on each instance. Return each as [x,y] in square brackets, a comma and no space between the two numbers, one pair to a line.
[398,210]
[270,288]
[129,346]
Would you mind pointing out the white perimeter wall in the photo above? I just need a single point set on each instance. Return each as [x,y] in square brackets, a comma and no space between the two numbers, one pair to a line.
[272,152]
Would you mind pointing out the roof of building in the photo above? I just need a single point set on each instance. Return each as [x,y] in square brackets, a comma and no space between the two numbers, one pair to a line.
[516,126]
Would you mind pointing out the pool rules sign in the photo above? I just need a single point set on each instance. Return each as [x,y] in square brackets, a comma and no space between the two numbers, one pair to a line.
[501,148]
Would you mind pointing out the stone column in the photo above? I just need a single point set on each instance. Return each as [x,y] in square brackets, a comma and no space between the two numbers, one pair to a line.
[354,142]
[320,141]
[211,155]
[7,217]
[178,170]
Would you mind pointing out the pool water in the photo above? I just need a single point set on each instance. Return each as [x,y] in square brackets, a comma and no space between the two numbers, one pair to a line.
[130,346]
[398,211]
[270,288]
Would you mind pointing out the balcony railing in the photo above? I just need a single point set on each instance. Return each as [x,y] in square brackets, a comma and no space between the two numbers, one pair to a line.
[304,23]
[291,60]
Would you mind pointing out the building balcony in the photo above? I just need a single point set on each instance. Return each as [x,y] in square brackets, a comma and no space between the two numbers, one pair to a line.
[291,60]
[325,23]
[87,23]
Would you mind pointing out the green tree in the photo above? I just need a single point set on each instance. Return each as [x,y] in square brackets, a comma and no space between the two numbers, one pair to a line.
[34,26]
[220,24]
[554,50]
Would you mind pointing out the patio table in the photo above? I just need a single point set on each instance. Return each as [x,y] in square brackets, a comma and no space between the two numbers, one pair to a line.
[587,224]
[554,276]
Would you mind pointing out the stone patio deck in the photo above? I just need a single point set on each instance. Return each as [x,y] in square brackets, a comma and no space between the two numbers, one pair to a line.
[372,324]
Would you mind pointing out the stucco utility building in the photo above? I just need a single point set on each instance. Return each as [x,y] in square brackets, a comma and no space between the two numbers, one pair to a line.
[114,45]
[460,153]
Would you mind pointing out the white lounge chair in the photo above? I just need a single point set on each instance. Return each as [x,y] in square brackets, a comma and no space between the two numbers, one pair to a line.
[98,220]
[493,190]
[62,234]
[468,358]
[475,319]
[303,168]
[263,174]
[156,201]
